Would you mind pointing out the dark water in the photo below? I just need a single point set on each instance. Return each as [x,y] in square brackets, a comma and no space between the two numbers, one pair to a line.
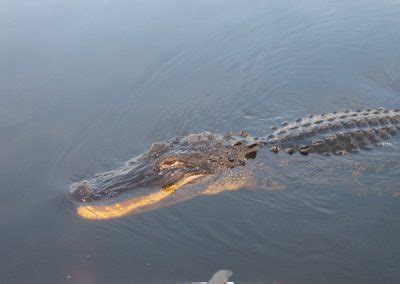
[85,85]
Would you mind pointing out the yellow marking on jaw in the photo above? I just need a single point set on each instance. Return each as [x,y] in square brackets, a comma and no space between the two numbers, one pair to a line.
[172,188]
[103,212]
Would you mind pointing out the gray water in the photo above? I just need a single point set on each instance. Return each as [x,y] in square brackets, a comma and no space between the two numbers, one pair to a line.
[86,85]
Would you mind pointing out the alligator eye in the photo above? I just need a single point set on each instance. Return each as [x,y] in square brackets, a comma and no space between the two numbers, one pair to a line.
[170,163]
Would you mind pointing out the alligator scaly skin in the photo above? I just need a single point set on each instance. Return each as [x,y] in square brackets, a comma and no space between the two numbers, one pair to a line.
[182,158]
[336,132]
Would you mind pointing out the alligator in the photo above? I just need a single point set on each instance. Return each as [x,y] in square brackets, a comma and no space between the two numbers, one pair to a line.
[169,165]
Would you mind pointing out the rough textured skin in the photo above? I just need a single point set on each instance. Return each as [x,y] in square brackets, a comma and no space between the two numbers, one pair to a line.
[170,162]
[336,133]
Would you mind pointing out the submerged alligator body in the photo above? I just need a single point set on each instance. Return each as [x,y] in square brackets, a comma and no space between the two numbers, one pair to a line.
[337,132]
[173,163]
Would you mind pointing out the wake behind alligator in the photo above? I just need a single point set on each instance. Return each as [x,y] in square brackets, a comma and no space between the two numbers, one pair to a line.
[169,165]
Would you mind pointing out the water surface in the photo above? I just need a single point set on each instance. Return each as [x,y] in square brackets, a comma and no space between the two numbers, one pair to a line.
[86,85]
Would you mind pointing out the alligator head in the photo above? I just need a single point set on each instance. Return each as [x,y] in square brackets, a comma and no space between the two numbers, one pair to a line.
[169,165]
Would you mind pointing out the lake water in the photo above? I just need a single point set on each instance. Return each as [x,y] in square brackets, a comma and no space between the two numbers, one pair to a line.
[86,85]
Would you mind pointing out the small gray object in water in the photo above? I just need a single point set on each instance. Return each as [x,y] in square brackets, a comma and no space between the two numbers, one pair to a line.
[220,277]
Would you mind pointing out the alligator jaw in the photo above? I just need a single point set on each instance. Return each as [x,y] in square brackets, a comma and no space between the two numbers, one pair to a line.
[168,165]
[129,206]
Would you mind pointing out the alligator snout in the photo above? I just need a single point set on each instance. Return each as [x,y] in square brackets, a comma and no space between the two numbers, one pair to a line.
[82,192]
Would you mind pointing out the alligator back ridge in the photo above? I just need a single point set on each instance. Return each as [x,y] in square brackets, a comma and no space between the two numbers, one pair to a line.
[336,132]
